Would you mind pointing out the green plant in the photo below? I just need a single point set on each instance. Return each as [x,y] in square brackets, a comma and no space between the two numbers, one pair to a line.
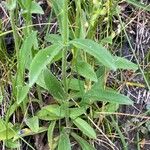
[73,93]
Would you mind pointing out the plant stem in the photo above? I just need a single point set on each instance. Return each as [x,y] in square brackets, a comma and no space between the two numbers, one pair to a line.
[64,55]
[65,40]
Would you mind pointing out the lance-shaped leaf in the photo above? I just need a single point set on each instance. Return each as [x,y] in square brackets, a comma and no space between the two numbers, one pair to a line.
[86,70]
[83,143]
[54,86]
[107,96]
[85,127]
[123,63]
[97,51]
[64,142]
[51,112]
[42,58]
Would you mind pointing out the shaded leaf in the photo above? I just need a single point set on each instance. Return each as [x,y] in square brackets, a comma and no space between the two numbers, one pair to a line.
[36,8]
[50,134]
[22,92]
[54,86]
[75,84]
[64,142]
[83,143]
[53,38]
[86,70]
[12,144]
[33,124]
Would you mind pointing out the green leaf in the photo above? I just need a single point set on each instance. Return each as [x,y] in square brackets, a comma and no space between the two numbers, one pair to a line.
[94,95]
[76,112]
[53,38]
[96,50]
[86,70]
[6,131]
[75,84]
[54,86]
[41,59]
[50,134]
[139,5]
[57,6]
[11,4]
[33,8]
[25,53]
[22,92]
[2,125]
[85,127]
[33,124]
[111,107]
[12,144]
[64,142]
[51,112]
[83,143]
[36,8]
[123,63]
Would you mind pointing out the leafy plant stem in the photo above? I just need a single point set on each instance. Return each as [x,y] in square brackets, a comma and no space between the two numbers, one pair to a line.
[64,54]
[65,40]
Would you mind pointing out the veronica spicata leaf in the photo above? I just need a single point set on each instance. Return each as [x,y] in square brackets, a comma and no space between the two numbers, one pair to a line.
[94,95]
[64,142]
[85,127]
[123,63]
[97,51]
[33,124]
[83,143]
[51,112]
[41,59]
[54,86]
[86,70]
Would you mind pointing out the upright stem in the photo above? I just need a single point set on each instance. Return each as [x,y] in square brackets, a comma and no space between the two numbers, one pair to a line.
[64,32]
[65,40]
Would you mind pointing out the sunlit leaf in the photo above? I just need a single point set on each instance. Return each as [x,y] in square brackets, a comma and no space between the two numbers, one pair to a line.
[94,95]
[39,62]
[139,5]
[51,112]
[85,127]
[96,50]
[123,63]
[76,112]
